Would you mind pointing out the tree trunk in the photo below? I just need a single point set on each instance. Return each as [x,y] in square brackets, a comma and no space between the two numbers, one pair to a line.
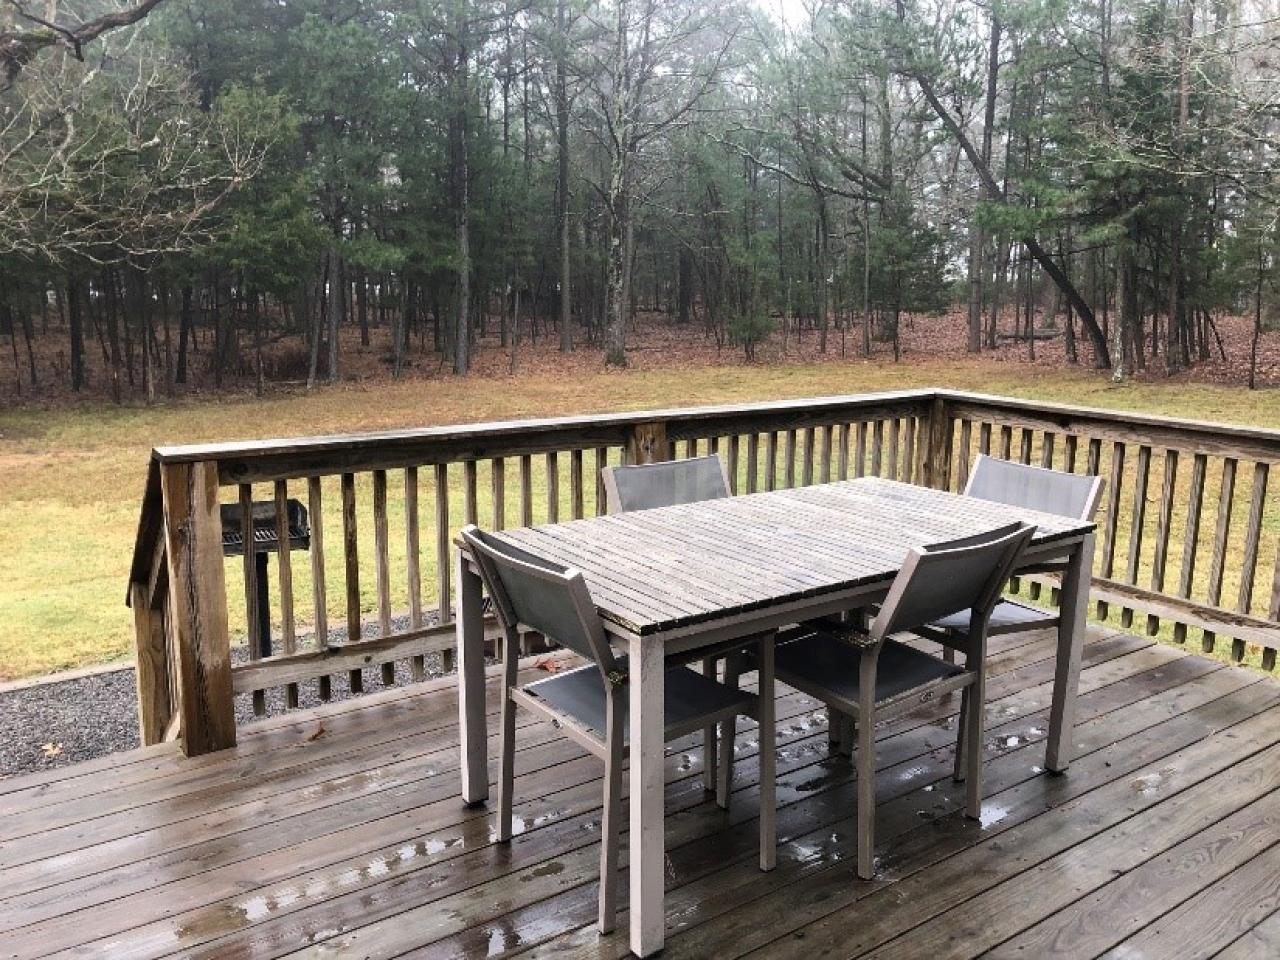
[562,182]
[336,300]
[75,328]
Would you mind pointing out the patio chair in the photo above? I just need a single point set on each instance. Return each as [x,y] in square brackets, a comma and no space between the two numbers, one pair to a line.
[590,702]
[1035,488]
[665,484]
[669,483]
[862,674]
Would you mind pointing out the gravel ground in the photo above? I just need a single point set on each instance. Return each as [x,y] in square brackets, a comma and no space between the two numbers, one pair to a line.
[64,722]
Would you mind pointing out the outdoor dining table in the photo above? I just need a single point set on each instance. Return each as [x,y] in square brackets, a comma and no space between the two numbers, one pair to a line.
[677,579]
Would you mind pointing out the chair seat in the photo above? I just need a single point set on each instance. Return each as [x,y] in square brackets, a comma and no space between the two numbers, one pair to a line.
[1008,615]
[823,661]
[691,699]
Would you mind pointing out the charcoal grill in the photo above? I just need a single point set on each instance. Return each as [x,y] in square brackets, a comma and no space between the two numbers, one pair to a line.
[265,542]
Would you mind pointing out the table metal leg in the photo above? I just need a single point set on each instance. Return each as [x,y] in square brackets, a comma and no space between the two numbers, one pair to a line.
[1072,624]
[647,666]
[473,734]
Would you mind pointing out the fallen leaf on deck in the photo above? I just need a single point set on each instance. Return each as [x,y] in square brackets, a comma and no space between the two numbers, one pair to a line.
[317,733]
[549,665]
[51,750]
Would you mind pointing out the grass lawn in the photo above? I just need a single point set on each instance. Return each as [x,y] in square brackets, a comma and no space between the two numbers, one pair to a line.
[71,478]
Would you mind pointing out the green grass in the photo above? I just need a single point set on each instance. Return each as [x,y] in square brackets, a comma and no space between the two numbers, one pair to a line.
[71,478]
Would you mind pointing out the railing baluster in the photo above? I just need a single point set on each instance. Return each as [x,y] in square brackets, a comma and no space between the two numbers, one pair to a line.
[809,442]
[526,491]
[575,484]
[553,488]
[1191,544]
[1252,540]
[733,463]
[877,447]
[1046,450]
[444,561]
[252,613]
[842,453]
[753,462]
[1273,612]
[1222,532]
[894,442]
[826,454]
[1160,560]
[469,492]
[498,491]
[288,629]
[1137,522]
[771,461]
[350,550]
[319,589]
[1069,443]
[984,438]
[1094,463]
[1113,518]
[602,461]
[382,566]
[1006,442]
[1025,444]
[412,550]
[860,451]
[909,451]
[962,465]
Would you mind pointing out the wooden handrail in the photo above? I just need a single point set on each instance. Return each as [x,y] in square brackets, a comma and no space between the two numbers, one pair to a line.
[924,436]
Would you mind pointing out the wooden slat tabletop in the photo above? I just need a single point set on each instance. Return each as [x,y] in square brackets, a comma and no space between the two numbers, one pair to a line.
[655,570]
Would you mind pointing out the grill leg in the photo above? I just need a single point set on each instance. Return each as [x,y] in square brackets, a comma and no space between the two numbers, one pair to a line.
[264,604]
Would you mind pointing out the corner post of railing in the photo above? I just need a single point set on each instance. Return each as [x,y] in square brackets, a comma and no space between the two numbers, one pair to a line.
[937,459]
[198,606]
[647,443]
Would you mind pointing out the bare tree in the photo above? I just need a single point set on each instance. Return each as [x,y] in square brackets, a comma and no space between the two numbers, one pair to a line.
[19,47]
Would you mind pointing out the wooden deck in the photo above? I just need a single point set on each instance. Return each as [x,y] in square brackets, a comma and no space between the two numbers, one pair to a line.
[339,832]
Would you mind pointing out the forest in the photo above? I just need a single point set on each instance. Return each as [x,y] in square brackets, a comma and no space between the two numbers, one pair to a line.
[199,194]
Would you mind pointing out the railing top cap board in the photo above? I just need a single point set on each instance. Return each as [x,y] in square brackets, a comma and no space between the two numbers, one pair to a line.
[1262,442]
[249,450]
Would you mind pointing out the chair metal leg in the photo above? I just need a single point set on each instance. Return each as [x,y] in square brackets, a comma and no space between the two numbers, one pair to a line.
[611,831]
[848,735]
[768,759]
[507,762]
[728,732]
[709,736]
[506,775]
[958,773]
[835,724]
[867,765]
[724,771]
[976,695]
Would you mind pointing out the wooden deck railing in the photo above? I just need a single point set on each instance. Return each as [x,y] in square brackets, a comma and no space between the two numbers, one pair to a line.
[384,508]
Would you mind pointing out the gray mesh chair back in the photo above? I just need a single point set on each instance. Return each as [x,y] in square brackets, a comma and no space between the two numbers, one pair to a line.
[539,595]
[945,578]
[1036,488]
[665,484]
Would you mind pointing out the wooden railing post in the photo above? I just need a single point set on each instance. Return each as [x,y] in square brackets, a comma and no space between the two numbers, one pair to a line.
[647,443]
[155,706]
[198,606]
[937,454]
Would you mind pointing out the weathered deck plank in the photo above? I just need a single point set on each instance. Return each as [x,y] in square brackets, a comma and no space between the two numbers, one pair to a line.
[338,832]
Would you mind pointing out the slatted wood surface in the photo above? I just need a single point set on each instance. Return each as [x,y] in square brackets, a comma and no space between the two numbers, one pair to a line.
[338,832]
[654,570]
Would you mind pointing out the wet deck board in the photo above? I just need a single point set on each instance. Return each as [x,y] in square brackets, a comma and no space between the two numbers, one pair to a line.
[338,832]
